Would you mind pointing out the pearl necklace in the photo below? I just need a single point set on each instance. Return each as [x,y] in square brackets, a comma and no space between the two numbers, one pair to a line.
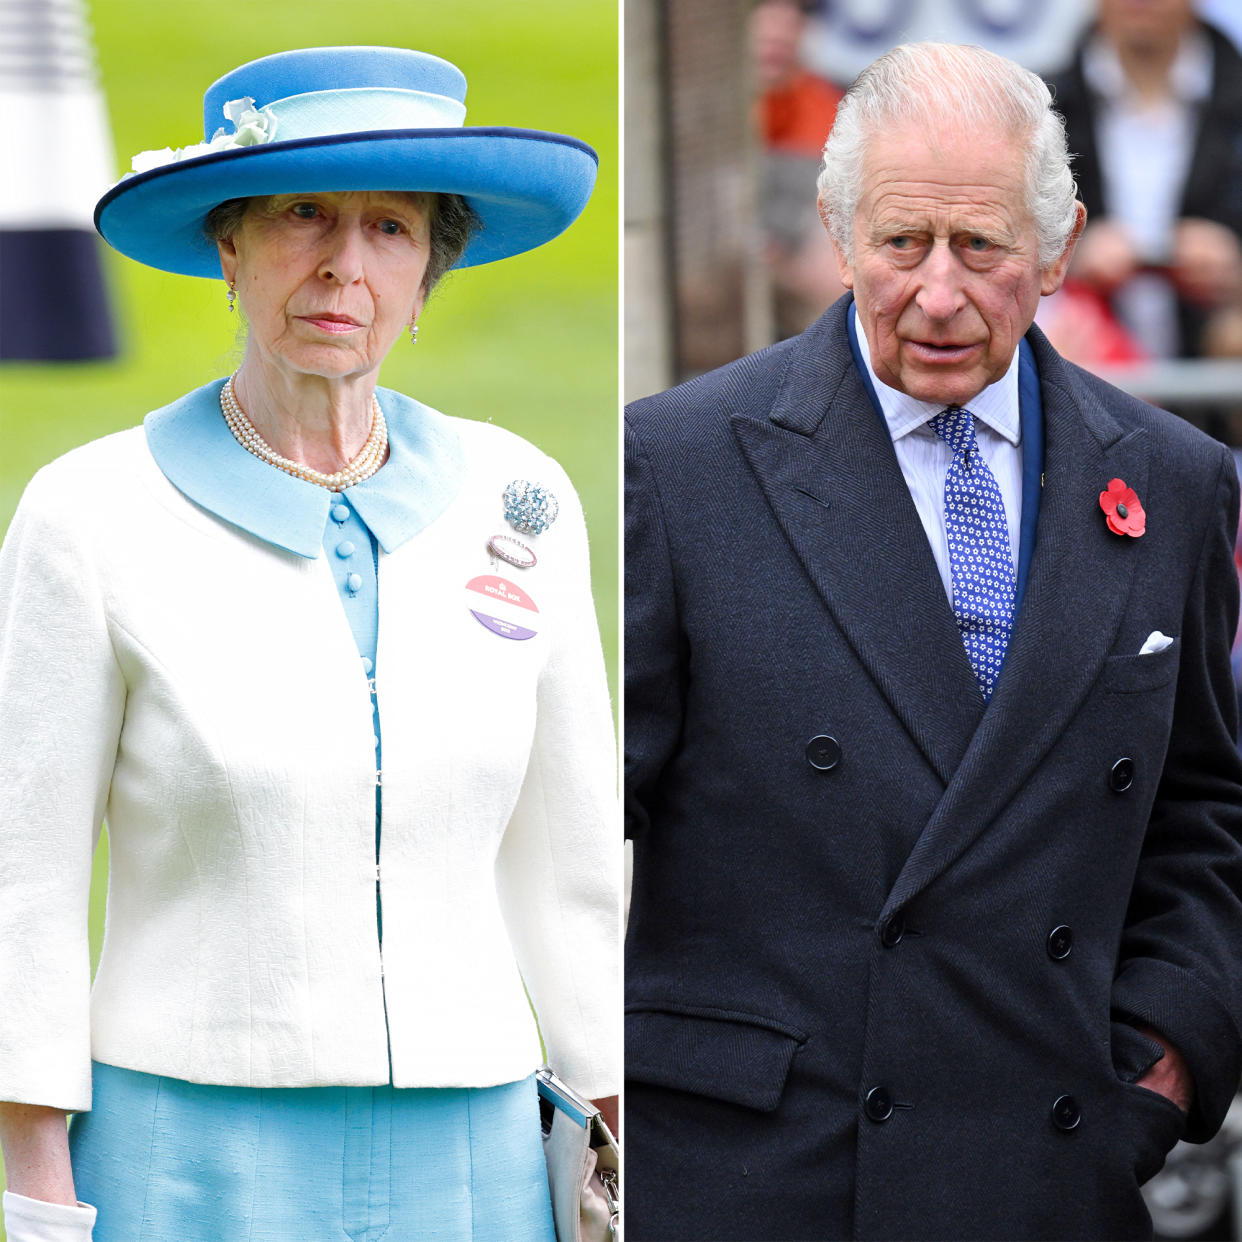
[368,461]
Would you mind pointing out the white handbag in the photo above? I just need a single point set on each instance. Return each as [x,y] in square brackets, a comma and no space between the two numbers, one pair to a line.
[584,1164]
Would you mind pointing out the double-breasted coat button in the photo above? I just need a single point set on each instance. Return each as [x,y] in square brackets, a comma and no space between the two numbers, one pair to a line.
[1060,942]
[823,752]
[1121,775]
[878,1104]
[892,930]
[1065,1113]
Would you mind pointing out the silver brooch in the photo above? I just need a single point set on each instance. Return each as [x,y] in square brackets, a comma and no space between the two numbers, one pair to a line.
[529,507]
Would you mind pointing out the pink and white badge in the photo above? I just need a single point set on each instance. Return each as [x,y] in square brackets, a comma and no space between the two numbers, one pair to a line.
[504,596]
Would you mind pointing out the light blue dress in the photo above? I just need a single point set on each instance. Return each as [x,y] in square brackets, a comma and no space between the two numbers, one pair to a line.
[165,1160]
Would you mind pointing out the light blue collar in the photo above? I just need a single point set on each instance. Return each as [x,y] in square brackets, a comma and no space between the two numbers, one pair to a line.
[192,445]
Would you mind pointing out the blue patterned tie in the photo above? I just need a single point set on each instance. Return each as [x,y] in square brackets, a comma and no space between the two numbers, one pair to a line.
[979,553]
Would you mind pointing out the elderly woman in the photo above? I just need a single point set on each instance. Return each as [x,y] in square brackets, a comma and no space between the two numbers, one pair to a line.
[325,973]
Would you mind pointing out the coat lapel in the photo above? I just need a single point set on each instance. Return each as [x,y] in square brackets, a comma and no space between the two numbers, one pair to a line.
[827,467]
[1076,591]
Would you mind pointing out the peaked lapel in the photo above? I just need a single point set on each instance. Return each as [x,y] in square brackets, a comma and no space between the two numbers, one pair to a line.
[827,467]
[1076,591]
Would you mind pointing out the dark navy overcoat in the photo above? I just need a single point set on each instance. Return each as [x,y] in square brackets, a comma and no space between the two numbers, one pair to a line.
[887,947]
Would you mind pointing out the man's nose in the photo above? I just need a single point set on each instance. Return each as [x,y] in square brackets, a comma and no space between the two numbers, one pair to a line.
[940,294]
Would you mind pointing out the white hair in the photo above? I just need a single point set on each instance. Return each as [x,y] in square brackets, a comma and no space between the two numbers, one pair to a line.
[928,83]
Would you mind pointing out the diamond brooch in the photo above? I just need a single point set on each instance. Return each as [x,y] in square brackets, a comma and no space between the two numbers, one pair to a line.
[529,507]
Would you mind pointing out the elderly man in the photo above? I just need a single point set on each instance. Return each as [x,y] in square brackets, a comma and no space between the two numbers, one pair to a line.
[936,928]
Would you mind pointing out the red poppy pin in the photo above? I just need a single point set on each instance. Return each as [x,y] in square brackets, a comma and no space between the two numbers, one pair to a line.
[1122,510]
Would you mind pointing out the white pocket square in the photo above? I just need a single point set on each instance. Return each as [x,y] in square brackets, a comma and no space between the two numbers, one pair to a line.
[1155,642]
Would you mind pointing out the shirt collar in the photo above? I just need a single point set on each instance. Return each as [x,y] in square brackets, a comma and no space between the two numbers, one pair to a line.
[996,406]
[192,445]
[1190,75]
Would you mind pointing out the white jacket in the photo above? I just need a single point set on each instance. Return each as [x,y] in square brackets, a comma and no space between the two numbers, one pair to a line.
[201,688]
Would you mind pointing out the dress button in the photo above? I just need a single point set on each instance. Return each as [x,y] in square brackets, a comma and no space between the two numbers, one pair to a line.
[345,550]
[1060,942]
[878,1104]
[367,665]
[339,513]
[1065,1113]
[892,930]
[353,584]
[823,752]
[1121,775]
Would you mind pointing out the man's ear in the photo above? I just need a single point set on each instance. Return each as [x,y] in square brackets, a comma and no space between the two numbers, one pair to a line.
[1053,275]
[845,269]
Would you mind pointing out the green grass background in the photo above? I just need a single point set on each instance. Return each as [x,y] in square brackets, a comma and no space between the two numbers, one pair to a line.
[530,343]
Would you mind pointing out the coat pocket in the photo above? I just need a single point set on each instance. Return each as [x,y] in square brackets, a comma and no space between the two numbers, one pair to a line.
[1131,674]
[1157,1123]
[739,1058]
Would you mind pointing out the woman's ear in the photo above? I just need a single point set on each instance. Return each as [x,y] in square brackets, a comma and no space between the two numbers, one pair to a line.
[228,259]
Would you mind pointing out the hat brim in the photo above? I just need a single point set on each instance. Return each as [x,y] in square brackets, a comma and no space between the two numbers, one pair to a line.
[526,186]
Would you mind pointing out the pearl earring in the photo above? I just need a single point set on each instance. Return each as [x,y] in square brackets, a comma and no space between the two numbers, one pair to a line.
[232,295]
[413,331]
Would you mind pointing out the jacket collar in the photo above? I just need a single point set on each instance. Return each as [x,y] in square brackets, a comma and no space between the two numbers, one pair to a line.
[193,446]
[827,467]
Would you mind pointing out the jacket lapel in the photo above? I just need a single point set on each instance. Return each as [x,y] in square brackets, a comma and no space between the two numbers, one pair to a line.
[1079,581]
[827,467]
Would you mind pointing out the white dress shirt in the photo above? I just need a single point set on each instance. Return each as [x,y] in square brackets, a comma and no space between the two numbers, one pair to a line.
[924,457]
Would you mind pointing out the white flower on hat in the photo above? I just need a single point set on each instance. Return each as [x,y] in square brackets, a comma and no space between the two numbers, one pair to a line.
[251,128]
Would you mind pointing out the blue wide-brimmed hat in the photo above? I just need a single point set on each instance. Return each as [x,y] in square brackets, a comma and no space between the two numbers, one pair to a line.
[346,118]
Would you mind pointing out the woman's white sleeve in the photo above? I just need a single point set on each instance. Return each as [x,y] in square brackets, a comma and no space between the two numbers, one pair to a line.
[61,704]
[560,862]
[32,1220]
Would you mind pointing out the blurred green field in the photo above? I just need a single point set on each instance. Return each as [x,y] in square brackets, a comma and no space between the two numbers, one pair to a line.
[530,343]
